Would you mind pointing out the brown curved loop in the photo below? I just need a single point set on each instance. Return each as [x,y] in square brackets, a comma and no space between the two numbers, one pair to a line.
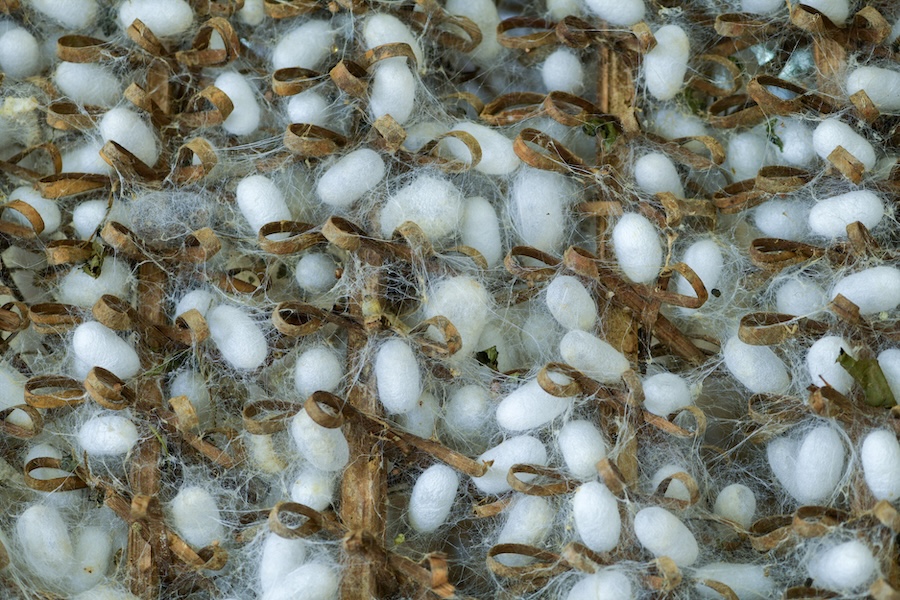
[286,9]
[53,391]
[314,521]
[450,342]
[689,158]
[68,116]
[293,80]
[386,51]
[612,477]
[887,515]
[865,107]
[476,256]
[201,55]
[108,390]
[350,77]
[141,35]
[265,417]
[190,328]
[773,254]
[344,234]
[31,215]
[561,484]
[14,317]
[85,49]
[816,521]
[545,34]
[737,110]
[22,432]
[720,588]
[68,252]
[209,107]
[869,26]
[114,313]
[530,274]
[737,25]
[781,179]
[676,299]
[558,106]
[769,329]
[125,163]
[468,98]
[122,240]
[689,482]
[57,484]
[64,185]
[667,426]
[771,104]
[186,418]
[576,33]
[560,390]
[882,590]
[251,280]
[507,109]
[392,135]
[413,236]
[770,532]
[666,575]
[301,238]
[295,319]
[312,141]
[739,196]
[53,317]
[428,153]
[199,246]
[847,164]
[547,563]
[555,157]
[706,85]
[676,209]
[313,408]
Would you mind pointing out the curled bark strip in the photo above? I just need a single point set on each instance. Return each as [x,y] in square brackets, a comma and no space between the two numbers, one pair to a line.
[313,521]
[802,592]
[141,35]
[185,413]
[555,157]
[845,310]
[720,588]
[107,390]
[114,313]
[815,22]
[781,180]
[829,403]
[85,49]
[545,33]
[392,133]
[295,319]
[312,141]
[887,515]
[68,252]
[564,390]
[862,244]
[190,329]
[313,407]
[677,209]
[12,166]
[739,196]
[68,116]
[22,432]
[701,294]
[343,233]
[450,342]
[770,329]
[612,477]
[53,317]
[121,239]
[847,164]
[770,532]
[738,110]
[240,281]
[667,426]
[65,185]
[689,482]
[558,106]
[209,107]
[428,153]
[882,590]
[301,238]
[217,8]
[869,26]
[677,150]
[707,86]
[127,164]
[547,564]
[512,108]
[386,51]
[530,274]
[772,254]
[865,107]
[561,484]
[201,55]
[444,27]
[667,575]
[14,317]
[772,104]
[199,246]
[293,80]
[816,521]
[56,484]
[350,77]
[265,417]
[209,558]
[737,25]
[583,559]
[484,510]
[31,215]
[286,9]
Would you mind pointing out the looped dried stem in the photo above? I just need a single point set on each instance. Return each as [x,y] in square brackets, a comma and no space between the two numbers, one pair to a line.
[677,209]
[569,389]
[511,108]
[31,215]
[54,318]
[300,239]
[428,153]
[141,35]
[209,107]
[201,55]
[770,329]
[293,80]
[68,116]
[737,110]
[772,254]
[350,78]
[847,164]
[127,164]
[286,9]
[108,390]
[14,317]
[739,196]
[77,48]
[68,252]
[667,426]
[547,563]
[781,179]
[65,185]
[450,343]
[22,432]
[545,34]
[738,25]
[185,413]
[115,313]
[53,391]
[707,86]
[530,274]
[561,484]
[444,27]
[66,483]
[311,141]
[391,133]
[816,521]
[701,294]
[769,533]
[720,588]
[555,156]
[314,521]
[689,482]
[314,408]
[666,576]
[265,417]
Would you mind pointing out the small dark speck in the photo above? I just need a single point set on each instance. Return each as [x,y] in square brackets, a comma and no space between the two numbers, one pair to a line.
[716,293]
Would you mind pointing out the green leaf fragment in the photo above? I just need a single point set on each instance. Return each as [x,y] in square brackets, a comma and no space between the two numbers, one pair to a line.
[94,264]
[773,137]
[488,357]
[867,372]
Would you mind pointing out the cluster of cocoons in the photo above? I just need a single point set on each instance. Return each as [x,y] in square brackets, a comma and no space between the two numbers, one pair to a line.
[400,298]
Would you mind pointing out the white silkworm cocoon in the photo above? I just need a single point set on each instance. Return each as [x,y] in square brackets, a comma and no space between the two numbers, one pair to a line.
[432,498]
[280,557]
[497,156]
[88,216]
[664,393]
[529,521]
[12,392]
[261,202]
[529,406]
[596,513]
[836,10]
[317,580]
[582,447]
[676,489]
[94,344]
[671,123]
[196,517]
[326,449]
[43,451]
[846,567]
[810,469]
[592,356]
[538,208]
[199,300]
[758,368]
[262,451]
[747,153]
[393,90]
[782,219]
[85,159]
[748,582]
[20,54]
[560,9]
[88,83]
[800,297]
[873,290]
[47,549]
[737,503]
[467,411]
[821,361]
[484,14]
[540,332]
[563,71]
[351,177]
[889,361]
[306,46]
[480,229]
[705,259]
[571,304]
[316,272]
[761,7]
[47,209]
[880,457]
[107,435]
[618,12]
[165,18]
[832,133]
[71,14]
[466,303]
[523,449]
[192,384]
[421,419]
[309,107]
[655,173]
[81,289]
[238,338]
[253,13]
[882,86]
[314,488]
[606,584]
[244,119]
[433,203]
[421,133]
[317,369]
[397,375]
[129,130]
[93,550]
[830,217]
[638,251]
[665,65]
[663,534]
[796,139]
[381,29]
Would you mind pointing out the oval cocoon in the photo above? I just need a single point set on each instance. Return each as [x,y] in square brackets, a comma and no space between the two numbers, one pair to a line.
[637,248]
[882,86]
[570,303]
[317,369]
[433,203]
[880,457]
[872,290]
[597,519]
[393,90]
[656,173]
[130,131]
[830,217]
[325,448]
[196,517]
[107,435]
[261,202]
[480,229]
[606,584]
[238,337]
[758,368]
[666,65]
[843,568]
[164,18]
[663,534]
[664,393]
[748,582]
[530,406]
[539,199]
[306,46]
[582,447]
[821,361]
[95,344]
[244,119]
[831,133]
[347,180]
[497,156]
[432,498]
[618,12]
[397,375]
[738,503]
[593,357]
[820,465]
